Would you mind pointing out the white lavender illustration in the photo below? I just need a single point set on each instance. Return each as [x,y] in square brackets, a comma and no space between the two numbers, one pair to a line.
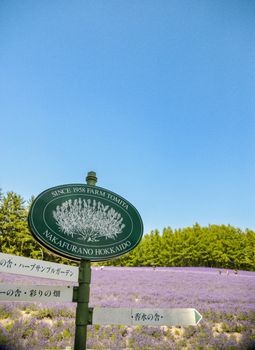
[88,220]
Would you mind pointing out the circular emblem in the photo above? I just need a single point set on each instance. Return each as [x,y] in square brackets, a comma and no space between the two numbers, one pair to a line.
[79,221]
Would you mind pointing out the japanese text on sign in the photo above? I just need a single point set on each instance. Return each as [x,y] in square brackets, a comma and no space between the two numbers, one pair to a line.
[37,268]
[141,316]
[35,293]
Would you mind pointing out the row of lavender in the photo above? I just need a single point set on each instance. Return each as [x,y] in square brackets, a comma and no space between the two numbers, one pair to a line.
[226,300]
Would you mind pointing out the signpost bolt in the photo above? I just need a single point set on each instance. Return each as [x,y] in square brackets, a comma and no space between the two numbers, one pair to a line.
[91,178]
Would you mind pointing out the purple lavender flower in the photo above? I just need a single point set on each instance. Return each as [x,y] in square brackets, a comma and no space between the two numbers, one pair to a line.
[226,302]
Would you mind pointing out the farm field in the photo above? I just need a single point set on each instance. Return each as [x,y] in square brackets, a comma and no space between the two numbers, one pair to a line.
[225,300]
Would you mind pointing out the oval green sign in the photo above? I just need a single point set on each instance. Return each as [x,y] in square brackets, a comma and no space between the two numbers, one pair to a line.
[79,221]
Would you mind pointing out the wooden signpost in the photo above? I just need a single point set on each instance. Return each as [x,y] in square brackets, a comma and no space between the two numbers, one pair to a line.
[30,292]
[83,223]
[146,317]
[37,268]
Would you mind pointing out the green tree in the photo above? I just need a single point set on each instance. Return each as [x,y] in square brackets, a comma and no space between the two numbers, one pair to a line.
[166,246]
[15,237]
[14,234]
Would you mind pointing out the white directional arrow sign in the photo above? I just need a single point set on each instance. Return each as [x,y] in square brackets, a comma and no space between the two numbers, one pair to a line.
[146,317]
[37,268]
[26,292]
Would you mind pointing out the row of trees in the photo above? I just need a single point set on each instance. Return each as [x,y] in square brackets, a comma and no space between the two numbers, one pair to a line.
[218,246]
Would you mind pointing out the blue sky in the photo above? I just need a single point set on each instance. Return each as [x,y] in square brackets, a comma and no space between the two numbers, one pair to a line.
[157,97]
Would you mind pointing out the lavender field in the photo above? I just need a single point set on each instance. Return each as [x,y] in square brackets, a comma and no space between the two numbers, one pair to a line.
[225,300]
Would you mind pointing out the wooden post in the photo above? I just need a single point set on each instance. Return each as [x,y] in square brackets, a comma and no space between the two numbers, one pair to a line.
[81,294]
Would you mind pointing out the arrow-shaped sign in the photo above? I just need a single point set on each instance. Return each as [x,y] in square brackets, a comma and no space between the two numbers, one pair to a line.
[37,268]
[147,317]
[30,292]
